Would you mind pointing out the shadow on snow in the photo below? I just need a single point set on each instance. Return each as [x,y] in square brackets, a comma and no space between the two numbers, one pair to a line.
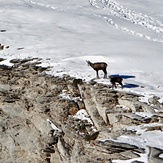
[129,85]
[126,85]
[123,76]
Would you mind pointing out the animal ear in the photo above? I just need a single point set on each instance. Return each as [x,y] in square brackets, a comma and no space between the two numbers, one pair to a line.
[87,62]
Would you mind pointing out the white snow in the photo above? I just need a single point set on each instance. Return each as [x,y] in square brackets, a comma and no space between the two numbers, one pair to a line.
[144,114]
[53,126]
[83,115]
[69,96]
[152,138]
[126,34]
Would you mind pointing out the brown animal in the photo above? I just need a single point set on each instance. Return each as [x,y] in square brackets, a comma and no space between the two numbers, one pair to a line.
[116,79]
[99,66]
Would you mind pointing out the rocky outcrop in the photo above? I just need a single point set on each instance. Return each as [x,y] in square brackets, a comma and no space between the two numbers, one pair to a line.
[51,119]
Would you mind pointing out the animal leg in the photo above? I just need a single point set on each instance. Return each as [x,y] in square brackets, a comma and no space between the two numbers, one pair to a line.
[105,73]
[97,74]
[114,85]
[121,85]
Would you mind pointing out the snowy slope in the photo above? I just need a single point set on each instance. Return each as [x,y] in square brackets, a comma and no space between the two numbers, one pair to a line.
[126,34]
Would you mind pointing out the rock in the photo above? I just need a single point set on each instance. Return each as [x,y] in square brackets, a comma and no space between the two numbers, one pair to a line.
[154,100]
[154,155]
[29,99]
[2,59]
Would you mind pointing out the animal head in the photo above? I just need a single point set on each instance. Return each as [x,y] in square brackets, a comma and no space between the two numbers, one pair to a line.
[88,62]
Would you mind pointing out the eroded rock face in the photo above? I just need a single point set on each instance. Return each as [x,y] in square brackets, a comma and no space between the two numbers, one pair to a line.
[84,119]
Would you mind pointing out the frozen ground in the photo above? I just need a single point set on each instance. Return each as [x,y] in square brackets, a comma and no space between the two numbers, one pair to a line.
[128,35]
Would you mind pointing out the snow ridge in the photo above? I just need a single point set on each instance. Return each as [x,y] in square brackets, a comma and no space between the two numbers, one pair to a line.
[43,5]
[122,12]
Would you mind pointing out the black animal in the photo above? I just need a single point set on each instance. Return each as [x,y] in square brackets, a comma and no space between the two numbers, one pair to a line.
[99,66]
[116,79]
